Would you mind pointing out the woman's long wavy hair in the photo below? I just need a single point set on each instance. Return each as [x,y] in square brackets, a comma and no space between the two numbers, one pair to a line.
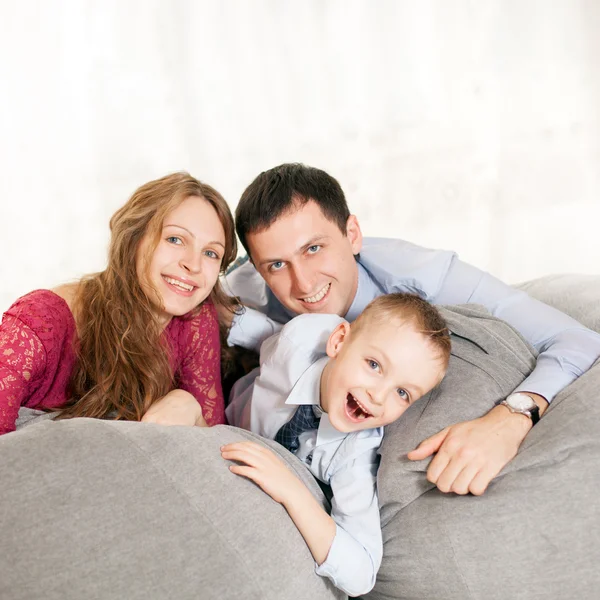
[123,365]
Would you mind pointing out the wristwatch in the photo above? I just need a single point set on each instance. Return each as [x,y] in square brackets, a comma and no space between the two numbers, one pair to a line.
[524,405]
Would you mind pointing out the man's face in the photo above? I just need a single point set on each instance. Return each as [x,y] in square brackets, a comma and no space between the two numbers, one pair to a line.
[307,261]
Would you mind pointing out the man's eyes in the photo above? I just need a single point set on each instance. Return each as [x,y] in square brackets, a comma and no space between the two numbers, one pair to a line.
[276,266]
[313,249]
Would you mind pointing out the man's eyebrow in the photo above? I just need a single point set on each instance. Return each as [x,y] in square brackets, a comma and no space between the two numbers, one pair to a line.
[311,242]
[213,242]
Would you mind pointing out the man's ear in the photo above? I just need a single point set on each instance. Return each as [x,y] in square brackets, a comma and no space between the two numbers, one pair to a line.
[354,234]
[338,337]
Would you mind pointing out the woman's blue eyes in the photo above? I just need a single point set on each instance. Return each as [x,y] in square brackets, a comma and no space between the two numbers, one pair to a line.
[177,241]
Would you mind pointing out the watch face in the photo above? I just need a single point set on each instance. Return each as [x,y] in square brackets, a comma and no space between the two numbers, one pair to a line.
[521,402]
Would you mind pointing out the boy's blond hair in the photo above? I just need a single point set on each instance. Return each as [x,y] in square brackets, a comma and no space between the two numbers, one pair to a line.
[426,319]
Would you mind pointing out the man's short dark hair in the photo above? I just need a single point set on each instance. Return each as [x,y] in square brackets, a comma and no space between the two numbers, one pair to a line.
[283,188]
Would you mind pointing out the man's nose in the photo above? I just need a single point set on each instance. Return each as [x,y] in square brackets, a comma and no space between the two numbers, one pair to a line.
[303,281]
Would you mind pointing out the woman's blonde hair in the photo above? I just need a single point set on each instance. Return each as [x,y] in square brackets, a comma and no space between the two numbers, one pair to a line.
[122,364]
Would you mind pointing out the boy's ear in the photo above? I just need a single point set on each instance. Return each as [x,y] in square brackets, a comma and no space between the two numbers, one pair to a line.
[337,338]
[354,234]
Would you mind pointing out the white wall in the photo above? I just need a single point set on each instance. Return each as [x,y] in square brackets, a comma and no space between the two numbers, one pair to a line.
[471,125]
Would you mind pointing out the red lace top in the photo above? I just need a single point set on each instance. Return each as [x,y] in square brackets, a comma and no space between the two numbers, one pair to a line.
[37,356]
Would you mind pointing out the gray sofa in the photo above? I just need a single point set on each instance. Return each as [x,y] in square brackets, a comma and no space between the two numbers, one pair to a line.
[98,509]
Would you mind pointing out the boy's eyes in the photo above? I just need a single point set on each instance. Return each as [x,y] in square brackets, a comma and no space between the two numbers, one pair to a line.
[403,394]
[373,364]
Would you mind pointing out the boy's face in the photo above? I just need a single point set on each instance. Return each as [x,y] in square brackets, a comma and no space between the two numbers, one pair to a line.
[307,261]
[376,373]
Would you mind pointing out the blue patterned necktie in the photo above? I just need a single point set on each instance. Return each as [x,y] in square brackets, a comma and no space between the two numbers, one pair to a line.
[304,419]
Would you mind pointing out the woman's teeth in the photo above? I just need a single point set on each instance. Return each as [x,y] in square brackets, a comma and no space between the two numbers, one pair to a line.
[179,284]
[318,296]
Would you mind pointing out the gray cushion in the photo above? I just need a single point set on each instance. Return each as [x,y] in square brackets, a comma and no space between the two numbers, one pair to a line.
[534,532]
[114,510]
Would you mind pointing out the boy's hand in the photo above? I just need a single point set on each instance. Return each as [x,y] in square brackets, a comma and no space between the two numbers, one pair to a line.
[470,454]
[265,468]
[178,407]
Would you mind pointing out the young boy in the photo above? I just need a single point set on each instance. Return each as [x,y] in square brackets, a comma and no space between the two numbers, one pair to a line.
[326,389]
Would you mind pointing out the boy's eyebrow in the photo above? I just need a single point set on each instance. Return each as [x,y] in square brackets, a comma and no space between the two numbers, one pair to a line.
[311,242]
[192,235]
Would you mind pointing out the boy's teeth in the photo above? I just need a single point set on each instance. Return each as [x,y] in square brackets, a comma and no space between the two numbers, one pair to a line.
[318,296]
[183,286]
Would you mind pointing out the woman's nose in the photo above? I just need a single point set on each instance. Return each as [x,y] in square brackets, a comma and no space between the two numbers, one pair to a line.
[192,262]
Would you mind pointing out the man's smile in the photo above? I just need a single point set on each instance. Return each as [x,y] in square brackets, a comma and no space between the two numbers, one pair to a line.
[318,296]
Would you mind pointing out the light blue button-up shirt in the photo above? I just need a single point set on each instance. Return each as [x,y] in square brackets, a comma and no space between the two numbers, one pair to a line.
[566,348]
[291,364]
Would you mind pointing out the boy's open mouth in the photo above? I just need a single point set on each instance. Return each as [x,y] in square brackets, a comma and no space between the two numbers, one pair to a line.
[355,410]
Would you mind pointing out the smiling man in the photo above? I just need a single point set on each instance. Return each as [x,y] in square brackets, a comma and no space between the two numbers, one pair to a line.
[307,255]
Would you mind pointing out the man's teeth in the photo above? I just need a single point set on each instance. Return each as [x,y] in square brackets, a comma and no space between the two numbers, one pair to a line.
[179,284]
[318,296]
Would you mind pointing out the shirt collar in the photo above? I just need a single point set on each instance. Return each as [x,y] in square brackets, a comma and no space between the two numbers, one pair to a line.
[308,391]
[366,291]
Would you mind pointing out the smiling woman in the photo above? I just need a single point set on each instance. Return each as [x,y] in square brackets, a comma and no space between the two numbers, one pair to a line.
[140,339]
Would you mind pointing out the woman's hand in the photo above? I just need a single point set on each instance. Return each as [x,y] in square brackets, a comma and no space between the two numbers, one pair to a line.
[265,468]
[469,455]
[178,407]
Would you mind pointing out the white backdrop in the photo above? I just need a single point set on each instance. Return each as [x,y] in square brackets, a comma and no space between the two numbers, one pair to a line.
[470,125]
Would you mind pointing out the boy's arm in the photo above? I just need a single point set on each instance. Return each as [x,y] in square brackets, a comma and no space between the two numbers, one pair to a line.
[347,546]
[262,466]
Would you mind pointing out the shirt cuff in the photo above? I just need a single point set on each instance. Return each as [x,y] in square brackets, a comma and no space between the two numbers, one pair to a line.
[250,328]
[546,380]
[342,569]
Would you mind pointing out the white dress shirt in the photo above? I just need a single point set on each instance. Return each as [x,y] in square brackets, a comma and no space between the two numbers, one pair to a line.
[291,364]
[566,348]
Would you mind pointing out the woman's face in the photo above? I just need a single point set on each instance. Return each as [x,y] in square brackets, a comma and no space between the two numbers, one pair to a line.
[185,265]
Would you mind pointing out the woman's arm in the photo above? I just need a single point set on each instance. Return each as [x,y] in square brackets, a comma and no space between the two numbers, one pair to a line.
[178,407]
[200,371]
[22,360]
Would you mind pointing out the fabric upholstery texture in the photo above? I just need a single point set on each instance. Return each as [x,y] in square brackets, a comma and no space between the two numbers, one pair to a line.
[115,510]
[126,510]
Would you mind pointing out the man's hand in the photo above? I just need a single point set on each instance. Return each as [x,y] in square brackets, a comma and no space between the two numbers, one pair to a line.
[265,468]
[178,407]
[470,454]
